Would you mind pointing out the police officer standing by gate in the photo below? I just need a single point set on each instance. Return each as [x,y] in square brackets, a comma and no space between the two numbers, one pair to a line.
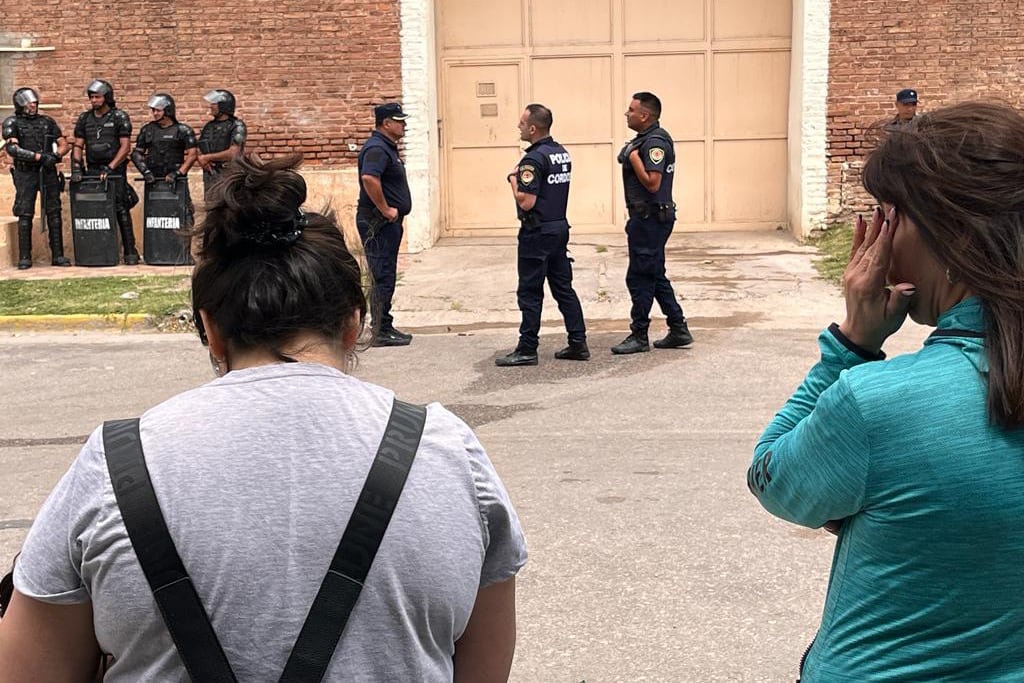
[165,149]
[221,139]
[29,139]
[384,200]
[648,166]
[102,137]
[540,187]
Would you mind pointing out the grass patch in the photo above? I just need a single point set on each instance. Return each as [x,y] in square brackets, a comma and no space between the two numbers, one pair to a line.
[158,295]
[834,245]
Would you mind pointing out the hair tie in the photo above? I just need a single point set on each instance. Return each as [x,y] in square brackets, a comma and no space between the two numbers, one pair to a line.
[279,234]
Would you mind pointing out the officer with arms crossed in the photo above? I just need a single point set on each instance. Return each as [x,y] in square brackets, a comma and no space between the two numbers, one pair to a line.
[165,149]
[648,166]
[104,133]
[540,186]
[221,139]
[29,139]
[384,200]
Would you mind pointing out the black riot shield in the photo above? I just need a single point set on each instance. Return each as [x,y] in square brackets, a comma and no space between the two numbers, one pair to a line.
[167,213]
[94,222]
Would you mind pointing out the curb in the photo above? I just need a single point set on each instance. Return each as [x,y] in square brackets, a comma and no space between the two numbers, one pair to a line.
[81,321]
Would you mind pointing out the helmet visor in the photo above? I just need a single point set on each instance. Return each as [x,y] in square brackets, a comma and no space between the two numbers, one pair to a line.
[215,96]
[25,97]
[97,87]
[159,102]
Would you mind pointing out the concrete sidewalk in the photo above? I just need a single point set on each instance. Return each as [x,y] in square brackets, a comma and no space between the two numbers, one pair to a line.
[725,279]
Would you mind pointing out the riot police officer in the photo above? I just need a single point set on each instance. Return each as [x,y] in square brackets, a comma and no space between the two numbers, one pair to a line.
[166,149]
[102,137]
[36,145]
[384,200]
[540,187]
[648,167]
[221,139]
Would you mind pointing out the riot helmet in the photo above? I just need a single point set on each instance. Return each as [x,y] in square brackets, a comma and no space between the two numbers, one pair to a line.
[22,98]
[162,100]
[224,100]
[104,88]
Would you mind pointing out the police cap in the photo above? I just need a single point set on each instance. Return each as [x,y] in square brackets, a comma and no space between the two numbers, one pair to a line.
[391,110]
[907,96]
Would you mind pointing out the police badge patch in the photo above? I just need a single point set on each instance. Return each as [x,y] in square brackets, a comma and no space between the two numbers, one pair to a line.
[526,174]
[657,155]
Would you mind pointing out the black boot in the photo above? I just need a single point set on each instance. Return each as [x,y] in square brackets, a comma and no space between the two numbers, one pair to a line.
[517,358]
[393,331]
[574,351]
[678,337]
[390,337]
[124,222]
[636,342]
[24,242]
[56,228]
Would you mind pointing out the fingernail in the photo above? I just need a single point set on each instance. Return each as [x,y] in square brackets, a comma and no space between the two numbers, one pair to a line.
[909,292]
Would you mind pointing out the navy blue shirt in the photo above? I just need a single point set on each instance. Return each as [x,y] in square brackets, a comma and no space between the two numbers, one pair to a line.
[658,154]
[545,171]
[379,158]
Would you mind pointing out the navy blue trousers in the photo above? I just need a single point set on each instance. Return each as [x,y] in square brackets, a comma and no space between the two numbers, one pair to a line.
[381,249]
[645,276]
[543,255]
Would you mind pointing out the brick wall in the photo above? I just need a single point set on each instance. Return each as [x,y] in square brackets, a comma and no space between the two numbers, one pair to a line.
[305,73]
[948,50]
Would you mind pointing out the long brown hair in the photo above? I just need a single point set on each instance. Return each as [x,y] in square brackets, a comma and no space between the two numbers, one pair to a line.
[958,174]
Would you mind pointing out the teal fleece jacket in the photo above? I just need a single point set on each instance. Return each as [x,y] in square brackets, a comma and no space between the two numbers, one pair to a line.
[927,580]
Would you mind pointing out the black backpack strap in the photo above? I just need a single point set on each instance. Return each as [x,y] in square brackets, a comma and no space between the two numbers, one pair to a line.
[340,589]
[172,588]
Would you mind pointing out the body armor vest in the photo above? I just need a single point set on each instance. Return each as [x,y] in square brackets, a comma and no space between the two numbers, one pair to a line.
[31,133]
[101,140]
[167,149]
[217,137]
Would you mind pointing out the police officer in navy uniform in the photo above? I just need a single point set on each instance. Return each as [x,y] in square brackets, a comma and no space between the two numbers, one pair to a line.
[36,145]
[166,149]
[384,200]
[540,186]
[103,136]
[906,108]
[648,167]
[222,139]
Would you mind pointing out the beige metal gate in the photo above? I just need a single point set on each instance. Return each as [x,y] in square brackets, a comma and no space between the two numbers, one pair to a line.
[720,67]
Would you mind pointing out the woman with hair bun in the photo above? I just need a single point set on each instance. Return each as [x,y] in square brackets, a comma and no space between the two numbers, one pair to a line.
[917,462]
[257,474]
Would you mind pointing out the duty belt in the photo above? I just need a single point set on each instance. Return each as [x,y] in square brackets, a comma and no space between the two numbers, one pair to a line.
[647,209]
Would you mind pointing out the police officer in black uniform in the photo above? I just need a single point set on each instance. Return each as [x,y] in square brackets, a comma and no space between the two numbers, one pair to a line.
[648,167]
[906,108]
[540,186]
[384,200]
[36,145]
[221,139]
[166,149]
[103,135]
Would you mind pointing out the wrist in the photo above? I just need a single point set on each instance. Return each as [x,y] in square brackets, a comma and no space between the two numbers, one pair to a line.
[855,342]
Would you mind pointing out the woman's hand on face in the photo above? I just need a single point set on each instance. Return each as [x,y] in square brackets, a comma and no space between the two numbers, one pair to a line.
[873,311]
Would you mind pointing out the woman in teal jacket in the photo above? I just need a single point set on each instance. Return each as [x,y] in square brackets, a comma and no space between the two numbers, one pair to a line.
[917,462]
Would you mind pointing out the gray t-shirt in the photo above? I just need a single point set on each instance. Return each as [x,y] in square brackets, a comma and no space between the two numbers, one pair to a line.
[257,473]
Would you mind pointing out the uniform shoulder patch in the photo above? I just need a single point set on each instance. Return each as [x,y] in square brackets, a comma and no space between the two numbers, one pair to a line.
[527,174]
[657,155]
